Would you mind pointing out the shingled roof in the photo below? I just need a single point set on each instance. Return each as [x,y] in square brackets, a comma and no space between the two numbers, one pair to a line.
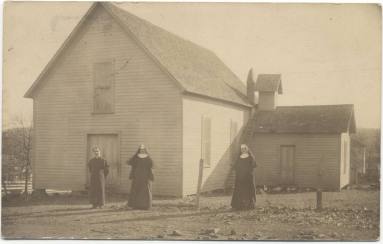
[305,119]
[196,69]
[269,83]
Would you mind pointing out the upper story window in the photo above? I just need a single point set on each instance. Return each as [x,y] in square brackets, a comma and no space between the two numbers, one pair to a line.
[103,91]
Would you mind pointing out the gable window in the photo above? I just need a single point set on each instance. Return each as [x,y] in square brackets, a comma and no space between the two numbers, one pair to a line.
[206,140]
[103,93]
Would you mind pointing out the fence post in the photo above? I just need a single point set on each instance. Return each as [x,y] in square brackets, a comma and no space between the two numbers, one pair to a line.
[200,174]
[319,183]
[4,184]
[26,182]
[319,199]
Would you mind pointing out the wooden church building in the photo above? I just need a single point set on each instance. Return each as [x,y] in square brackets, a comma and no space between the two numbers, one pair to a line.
[119,81]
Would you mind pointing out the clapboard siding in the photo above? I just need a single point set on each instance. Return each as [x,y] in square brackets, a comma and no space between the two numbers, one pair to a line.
[311,152]
[221,116]
[34,144]
[148,109]
[345,155]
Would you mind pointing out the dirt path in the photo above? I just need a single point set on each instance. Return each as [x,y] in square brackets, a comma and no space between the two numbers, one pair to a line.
[348,215]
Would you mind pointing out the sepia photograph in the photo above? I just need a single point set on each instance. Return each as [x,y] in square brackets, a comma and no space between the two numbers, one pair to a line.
[198,121]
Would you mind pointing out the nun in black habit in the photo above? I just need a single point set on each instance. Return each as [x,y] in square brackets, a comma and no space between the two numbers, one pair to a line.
[99,169]
[244,188]
[141,174]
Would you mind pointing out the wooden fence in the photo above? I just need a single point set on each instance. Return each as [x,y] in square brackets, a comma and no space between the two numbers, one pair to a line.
[16,187]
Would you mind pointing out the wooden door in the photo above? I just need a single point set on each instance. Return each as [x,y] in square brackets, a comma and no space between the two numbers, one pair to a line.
[108,144]
[287,164]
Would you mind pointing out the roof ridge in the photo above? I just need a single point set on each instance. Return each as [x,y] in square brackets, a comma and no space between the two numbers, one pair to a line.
[319,105]
[111,4]
[202,71]
[269,73]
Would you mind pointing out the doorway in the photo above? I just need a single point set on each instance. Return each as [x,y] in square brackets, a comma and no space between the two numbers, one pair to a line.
[287,153]
[109,146]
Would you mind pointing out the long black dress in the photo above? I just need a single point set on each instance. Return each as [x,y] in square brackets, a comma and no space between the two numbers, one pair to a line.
[244,187]
[141,191]
[99,169]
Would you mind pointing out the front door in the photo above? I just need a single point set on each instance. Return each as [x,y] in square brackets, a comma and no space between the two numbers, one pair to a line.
[108,144]
[287,164]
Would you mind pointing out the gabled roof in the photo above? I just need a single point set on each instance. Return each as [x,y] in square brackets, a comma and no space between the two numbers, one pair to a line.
[331,119]
[269,83]
[195,69]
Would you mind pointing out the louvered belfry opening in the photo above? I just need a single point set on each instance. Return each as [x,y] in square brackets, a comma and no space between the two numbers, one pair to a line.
[269,86]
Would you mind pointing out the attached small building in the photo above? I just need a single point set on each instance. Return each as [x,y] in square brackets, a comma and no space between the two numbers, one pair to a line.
[305,146]
[119,81]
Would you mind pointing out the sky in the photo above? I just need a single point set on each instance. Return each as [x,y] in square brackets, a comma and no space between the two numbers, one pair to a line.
[326,53]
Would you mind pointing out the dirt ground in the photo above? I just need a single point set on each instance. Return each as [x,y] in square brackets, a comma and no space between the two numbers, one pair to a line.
[346,215]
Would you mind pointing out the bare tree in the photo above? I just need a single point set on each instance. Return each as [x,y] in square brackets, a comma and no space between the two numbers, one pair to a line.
[22,148]
[4,184]
[26,152]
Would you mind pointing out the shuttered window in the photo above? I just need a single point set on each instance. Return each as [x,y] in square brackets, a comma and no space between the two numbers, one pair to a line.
[345,157]
[206,140]
[103,94]
[233,140]
[233,130]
